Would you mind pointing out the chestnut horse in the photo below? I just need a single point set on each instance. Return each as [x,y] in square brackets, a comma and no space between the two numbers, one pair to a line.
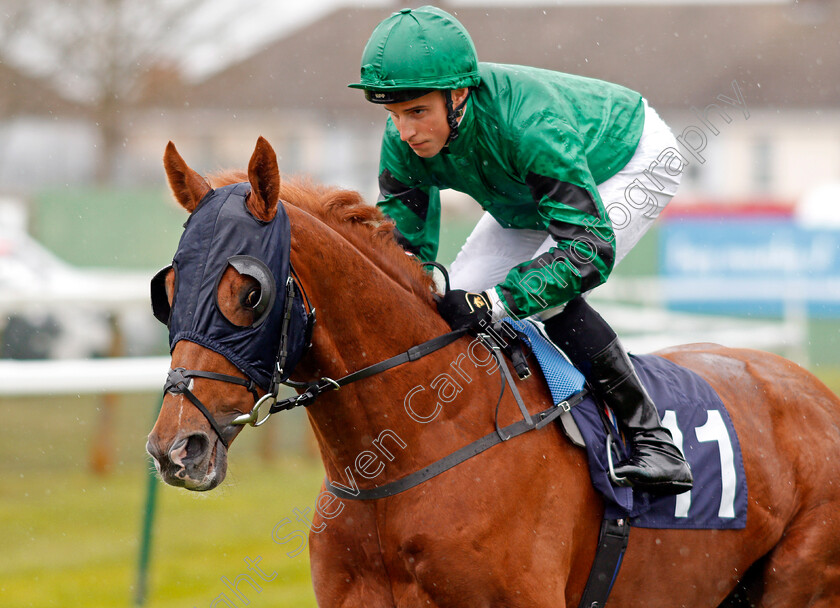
[516,525]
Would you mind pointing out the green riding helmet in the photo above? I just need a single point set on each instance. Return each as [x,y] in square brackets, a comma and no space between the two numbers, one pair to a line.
[414,52]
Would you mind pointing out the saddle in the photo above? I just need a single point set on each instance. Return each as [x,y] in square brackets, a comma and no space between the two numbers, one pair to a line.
[688,407]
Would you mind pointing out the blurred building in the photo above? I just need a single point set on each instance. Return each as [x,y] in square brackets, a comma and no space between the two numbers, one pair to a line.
[779,138]
[44,138]
[750,88]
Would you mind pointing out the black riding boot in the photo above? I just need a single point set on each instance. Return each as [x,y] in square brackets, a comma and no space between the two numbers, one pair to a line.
[655,465]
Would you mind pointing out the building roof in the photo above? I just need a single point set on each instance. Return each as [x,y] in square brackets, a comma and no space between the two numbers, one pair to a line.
[678,55]
[21,94]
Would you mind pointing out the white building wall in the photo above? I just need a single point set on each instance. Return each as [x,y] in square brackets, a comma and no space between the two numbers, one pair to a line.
[769,156]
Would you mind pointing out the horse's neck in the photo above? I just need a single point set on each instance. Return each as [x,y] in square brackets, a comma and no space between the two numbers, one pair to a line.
[364,317]
[362,311]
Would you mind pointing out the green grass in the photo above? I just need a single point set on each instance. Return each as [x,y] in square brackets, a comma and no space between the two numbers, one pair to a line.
[71,537]
[831,377]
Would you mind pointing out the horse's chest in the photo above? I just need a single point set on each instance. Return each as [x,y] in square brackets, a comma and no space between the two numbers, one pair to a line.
[443,571]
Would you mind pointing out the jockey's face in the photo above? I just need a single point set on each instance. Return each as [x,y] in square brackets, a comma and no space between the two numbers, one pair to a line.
[422,122]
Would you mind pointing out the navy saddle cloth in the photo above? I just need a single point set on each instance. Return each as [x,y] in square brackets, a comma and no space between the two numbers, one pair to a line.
[696,417]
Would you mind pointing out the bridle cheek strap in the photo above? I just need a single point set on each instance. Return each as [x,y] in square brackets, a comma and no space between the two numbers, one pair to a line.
[177,383]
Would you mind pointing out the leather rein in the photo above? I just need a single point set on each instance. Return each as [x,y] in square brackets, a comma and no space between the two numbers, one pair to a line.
[178,379]
[178,383]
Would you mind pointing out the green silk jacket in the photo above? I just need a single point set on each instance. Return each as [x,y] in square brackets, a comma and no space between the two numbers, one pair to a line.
[532,147]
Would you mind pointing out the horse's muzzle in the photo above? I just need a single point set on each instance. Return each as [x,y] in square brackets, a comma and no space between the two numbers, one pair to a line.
[194,461]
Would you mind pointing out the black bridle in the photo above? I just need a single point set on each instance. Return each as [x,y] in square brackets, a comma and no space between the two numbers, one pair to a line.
[311,390]
[178,383]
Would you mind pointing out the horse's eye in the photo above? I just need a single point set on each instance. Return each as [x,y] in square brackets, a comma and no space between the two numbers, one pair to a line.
[252,298]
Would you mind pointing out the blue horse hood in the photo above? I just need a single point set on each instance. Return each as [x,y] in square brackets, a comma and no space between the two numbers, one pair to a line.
[222,232]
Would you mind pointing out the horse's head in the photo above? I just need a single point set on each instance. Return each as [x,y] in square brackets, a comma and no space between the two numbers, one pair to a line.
[227,299]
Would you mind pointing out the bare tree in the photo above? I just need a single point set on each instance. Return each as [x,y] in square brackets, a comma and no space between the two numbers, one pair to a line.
[98,52]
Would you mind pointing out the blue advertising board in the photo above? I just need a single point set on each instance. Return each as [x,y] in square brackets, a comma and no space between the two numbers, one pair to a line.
[750,266]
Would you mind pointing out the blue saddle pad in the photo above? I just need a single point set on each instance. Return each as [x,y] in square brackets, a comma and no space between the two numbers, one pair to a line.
[696,417]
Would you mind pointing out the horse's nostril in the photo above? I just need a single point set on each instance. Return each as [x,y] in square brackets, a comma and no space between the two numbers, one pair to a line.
[189,450]
[197,446]
[188,458]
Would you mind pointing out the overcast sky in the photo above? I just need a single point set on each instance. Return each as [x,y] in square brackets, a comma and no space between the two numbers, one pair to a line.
[265,20]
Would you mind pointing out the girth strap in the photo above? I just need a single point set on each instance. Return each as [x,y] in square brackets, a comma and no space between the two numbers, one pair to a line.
[412,354]
[612,542]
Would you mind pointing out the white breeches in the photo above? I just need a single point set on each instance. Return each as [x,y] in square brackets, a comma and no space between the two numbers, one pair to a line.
[634,197]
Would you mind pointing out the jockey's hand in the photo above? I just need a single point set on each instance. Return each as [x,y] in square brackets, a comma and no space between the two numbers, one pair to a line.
[464,309]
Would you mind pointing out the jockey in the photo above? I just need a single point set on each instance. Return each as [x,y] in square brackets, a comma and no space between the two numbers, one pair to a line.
[541,152]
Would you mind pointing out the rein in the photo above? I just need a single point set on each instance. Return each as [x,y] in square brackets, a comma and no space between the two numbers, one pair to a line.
[314,389]
[311,390]
[177,383]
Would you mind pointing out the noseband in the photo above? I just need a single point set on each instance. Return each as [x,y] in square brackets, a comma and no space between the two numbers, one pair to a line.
[177,383]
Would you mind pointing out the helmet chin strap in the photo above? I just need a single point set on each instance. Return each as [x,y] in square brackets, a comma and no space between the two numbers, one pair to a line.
[453,114]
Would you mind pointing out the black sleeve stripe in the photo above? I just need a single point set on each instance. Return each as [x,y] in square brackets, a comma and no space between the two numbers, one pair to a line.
[413,198]
[562,192]
[511,303]
[556,261]
[404,242]
[562,232]
[579,262]
[590,275]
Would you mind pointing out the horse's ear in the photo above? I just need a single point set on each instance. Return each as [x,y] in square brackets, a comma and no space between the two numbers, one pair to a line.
[187,185]
[264,176]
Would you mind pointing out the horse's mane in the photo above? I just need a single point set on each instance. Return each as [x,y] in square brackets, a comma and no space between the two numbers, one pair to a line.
[346,212]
